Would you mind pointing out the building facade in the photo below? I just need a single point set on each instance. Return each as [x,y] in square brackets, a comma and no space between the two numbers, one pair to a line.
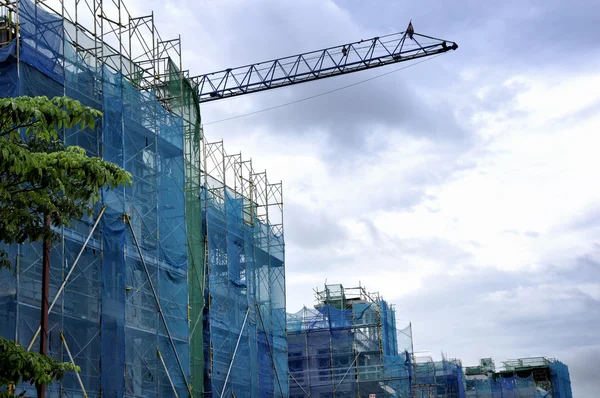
[536,377]
[176,285]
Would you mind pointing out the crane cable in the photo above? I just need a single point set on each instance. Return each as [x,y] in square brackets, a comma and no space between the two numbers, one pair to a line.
[321,94]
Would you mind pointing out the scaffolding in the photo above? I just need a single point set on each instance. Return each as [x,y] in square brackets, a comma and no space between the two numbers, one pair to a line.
[438,379]
[536,377]
[348,346]
[176,285]
[245,316]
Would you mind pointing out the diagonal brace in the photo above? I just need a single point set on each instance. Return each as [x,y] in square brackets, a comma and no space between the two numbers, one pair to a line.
[127,219]
[62,287]
[235,351]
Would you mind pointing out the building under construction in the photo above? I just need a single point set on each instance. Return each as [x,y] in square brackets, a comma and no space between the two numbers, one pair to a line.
[176,285]
[537,377]
[349,346]
[437,379]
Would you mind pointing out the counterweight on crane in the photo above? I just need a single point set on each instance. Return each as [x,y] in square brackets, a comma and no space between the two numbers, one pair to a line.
[315,65]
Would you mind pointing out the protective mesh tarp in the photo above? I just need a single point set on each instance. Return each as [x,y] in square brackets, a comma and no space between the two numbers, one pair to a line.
[108,312]
[507,387]
[561,381]
[347,352]
[247,303]
[438,379]
[185,104]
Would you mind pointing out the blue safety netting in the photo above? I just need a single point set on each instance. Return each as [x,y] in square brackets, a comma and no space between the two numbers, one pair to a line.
[108,312]
[506,387]
[561,381]
[246,288]
[438,378]
[347,352]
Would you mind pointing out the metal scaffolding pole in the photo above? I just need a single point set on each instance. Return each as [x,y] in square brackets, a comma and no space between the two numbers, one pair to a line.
[302,388]
[62,336]
[62,287]
[159,307]
[167,372]
[270,350]
[350,367]
[235,351]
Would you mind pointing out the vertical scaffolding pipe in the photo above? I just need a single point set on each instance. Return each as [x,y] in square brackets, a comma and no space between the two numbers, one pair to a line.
[206,265]
[18,50]
[355,350]
[17,291]
[64,129]
[331,354]
[307,357]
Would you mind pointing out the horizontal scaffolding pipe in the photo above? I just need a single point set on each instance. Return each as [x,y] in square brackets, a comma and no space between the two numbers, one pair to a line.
[62,287]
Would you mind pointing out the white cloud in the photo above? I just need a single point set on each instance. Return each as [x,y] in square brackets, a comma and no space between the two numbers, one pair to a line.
[553,97]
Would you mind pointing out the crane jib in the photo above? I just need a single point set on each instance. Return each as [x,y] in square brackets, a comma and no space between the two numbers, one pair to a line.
[315,65]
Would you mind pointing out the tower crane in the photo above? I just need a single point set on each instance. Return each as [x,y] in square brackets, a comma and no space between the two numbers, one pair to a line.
[314,65]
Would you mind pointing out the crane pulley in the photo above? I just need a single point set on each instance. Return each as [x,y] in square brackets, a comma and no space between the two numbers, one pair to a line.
[315,65]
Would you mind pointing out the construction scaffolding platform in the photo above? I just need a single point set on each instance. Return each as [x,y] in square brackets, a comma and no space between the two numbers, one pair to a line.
[347,347]
[176,285]
[536,377]
[437,379]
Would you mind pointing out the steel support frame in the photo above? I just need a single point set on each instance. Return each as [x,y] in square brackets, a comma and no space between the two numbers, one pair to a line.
[223,172]
[315,65]
[106,35]
[121,43]
[237,344]
[66,279]
[158,306]
[62,337]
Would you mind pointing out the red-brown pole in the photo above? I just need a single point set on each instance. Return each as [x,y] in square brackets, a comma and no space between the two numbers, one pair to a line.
[41,390]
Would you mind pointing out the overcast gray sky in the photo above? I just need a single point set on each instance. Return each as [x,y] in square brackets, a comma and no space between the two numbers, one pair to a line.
[463,189]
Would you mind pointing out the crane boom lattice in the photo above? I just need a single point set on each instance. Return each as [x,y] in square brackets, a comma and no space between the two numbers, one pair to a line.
[315,65]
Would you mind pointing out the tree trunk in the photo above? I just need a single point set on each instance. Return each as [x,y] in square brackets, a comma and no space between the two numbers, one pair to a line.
[41,389]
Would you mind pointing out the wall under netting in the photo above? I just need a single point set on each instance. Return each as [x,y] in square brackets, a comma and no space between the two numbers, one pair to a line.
[438,379]
[561,380]
[536,377]
[244,323]
[230,261]
[348,347]
[108,312]
[184,102]
[503,387]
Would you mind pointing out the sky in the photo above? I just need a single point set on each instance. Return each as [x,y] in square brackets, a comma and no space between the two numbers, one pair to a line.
[463,189]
